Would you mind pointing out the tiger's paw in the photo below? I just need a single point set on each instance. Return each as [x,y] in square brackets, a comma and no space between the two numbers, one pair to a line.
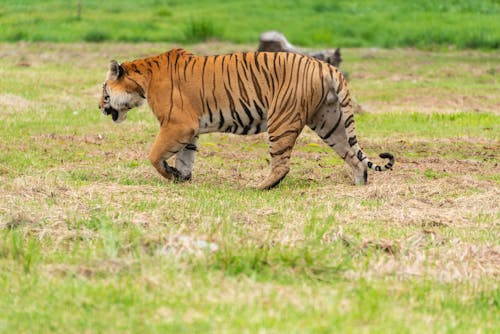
[175,174]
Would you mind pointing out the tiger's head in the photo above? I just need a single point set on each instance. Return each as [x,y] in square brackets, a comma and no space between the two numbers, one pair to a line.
[120,93]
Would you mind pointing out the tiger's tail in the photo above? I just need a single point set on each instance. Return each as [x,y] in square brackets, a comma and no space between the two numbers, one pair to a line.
[345,101]
[376,167]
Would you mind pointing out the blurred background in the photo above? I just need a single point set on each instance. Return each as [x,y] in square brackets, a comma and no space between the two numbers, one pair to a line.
[319,23]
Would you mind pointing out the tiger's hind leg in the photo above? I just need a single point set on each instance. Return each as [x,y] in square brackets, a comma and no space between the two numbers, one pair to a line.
[330,124]
[283,131]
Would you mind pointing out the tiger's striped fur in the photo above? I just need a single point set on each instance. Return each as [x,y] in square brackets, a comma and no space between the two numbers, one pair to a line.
[240,93]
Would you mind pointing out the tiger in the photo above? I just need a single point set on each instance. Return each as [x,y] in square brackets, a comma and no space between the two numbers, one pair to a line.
[241,93]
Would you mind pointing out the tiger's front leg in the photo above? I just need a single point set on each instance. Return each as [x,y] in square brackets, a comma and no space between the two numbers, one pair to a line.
[185,159]
[171,141]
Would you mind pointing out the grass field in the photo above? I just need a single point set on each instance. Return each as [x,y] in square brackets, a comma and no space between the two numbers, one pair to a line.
[359,23]
[93,240]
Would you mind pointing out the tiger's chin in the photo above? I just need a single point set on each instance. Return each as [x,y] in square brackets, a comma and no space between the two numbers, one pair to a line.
[120,117]
[116,115]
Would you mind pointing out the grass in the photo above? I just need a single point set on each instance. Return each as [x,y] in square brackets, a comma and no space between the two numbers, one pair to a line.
[423,24]
[200,30]
[92,240]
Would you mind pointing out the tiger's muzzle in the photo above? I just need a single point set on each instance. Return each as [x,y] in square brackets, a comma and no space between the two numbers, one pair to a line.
[108,110]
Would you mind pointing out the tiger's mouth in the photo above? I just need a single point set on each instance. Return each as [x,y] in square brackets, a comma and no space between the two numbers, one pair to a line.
[113,112]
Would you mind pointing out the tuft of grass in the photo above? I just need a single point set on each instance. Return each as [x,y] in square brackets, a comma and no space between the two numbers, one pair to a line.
[201,30]
[95,36]
[16,36]
[163,12]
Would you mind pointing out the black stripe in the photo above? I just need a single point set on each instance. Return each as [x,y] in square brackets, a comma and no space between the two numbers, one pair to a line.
[248,112]
[257,128]
[221,120]
[135,69]
[256,85]
[141,91]
[349,121]
[345,104]
[284,134]
[333,129]
[345,101]
[234,113]
[275,59]
[259,110]
[299,73]
[256,60]
[353,141]
[185,67]
[243,65]
[243,91]
[177,56]
[360,155]
[194,61]
[204,64]
[280,152]
[236,117]
[322,80]
[210,115]
[228,72]
[266,76]
[222,63]
[340,84]
[231,101]
[265,61]
[213,85]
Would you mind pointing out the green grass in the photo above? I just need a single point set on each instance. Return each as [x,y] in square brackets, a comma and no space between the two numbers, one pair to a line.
[423,24]
[93,240]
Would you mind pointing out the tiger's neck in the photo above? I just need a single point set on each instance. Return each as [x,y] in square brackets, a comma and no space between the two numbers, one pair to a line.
[164,84]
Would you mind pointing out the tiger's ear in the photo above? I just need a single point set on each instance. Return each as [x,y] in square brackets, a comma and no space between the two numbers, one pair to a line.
[115,70]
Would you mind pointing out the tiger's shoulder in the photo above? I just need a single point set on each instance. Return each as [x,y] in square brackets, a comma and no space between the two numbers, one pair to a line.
[179,52]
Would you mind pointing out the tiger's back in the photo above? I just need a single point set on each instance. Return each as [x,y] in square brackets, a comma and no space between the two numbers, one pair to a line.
[245,93]
[234,93]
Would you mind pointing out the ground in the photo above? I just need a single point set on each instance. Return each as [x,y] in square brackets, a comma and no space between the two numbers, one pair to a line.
[91,238]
